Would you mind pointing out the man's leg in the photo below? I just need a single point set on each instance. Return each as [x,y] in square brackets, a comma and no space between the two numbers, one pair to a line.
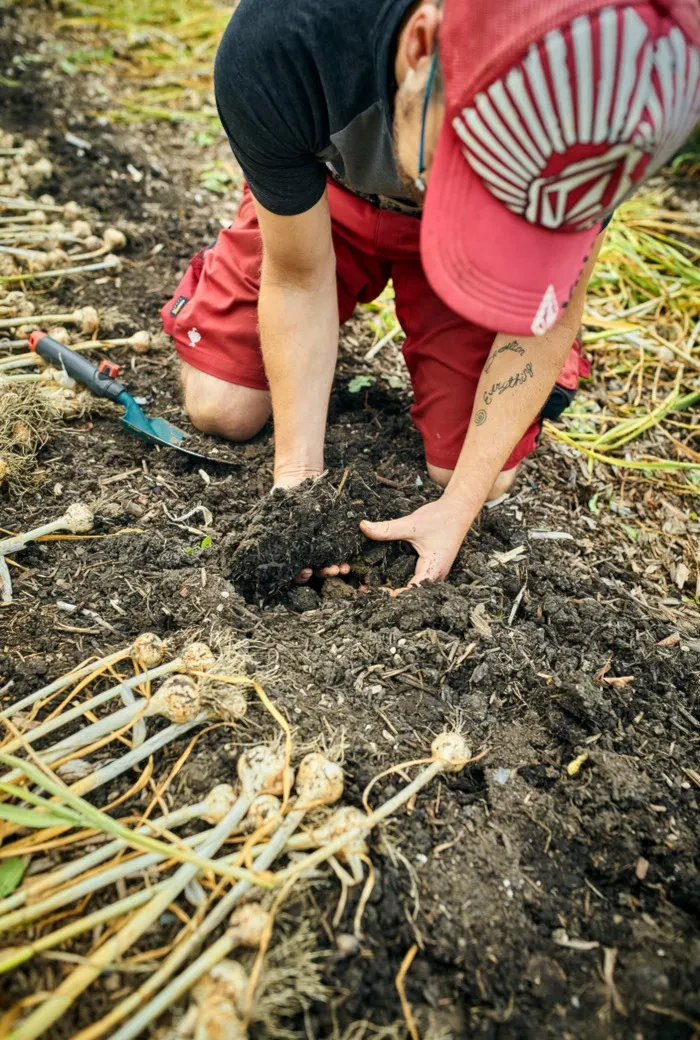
[212,319]
[221,408]
[213,315]
[501,485]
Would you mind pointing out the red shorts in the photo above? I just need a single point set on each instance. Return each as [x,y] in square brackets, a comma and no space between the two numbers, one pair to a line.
[213,317]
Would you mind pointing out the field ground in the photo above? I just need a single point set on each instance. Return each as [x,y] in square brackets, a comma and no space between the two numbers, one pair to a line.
[544,903]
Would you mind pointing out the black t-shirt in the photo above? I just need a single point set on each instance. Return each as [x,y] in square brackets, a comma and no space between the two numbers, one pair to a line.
[304,86]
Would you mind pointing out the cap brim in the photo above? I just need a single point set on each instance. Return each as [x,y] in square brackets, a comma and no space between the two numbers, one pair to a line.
[487,263]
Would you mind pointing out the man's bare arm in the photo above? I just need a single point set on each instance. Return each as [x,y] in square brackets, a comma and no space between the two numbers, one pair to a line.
[517,378]
[516,381]
[298,315]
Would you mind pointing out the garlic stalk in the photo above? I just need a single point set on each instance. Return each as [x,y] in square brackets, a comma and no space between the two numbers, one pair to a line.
[146,649]
[319,781]
[265,775]
[211,810]
[70,210]
[90,668]
[110,263]
[140,343]
[12,956]
[86,673]
[5,582]
[178,700]
[138,865]
[246,923]
[105,774]
[112,238]
[94,882]
[77,519]
[86,317]
[31,217]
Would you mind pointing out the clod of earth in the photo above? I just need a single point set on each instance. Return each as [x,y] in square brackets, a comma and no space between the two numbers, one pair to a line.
[315,525]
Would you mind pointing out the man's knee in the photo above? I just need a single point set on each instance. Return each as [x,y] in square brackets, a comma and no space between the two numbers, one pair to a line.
[501,486]
[224,409]
[440,475]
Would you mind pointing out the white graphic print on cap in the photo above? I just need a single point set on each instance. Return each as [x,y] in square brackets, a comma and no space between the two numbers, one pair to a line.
[546,313]
[605,88]
[194,336]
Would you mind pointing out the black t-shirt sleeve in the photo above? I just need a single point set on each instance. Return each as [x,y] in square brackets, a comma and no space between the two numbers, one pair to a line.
[272,113]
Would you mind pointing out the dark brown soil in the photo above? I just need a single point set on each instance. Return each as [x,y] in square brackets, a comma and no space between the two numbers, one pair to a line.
[493,869]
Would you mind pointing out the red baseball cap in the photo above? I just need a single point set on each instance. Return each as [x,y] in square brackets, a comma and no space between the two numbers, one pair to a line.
[556,110]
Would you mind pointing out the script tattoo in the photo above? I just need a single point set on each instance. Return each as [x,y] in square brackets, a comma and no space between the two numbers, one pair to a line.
[514,346]
[509,384]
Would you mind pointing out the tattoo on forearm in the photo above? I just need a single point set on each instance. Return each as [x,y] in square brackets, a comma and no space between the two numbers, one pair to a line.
[509,384]
[480,417]
[513,346]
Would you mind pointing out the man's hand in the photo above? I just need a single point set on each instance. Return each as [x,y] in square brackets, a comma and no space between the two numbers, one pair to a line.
[291,480]
[436,531]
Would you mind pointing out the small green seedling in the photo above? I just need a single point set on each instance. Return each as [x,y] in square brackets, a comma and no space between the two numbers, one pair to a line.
[359,383]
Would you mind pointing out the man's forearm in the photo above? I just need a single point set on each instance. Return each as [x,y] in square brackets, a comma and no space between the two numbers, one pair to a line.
[299,337]
[516,381]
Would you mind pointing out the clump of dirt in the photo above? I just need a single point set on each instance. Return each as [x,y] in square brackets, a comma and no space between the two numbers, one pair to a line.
[315,525]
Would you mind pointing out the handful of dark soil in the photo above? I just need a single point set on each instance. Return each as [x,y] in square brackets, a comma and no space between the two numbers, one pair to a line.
[316,525]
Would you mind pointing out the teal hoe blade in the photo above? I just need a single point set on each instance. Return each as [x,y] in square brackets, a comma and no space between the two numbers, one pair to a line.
[157,431]
[102,381]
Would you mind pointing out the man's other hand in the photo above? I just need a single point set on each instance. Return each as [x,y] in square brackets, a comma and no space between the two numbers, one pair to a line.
[436,531]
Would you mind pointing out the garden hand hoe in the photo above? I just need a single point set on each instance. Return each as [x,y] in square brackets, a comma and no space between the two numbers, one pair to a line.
[102,382]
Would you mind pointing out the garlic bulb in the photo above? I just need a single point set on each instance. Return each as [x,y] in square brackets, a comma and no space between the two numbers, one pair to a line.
[343,821]
[140,342]
[77,769]
[81,229]
[7,266]
[319,780]
[79,518]
[178,699]
[56,258]
[248,923]
[21,434]
[218,802]
[265,807]
[219,996]
[147,649]
[197,657]
[261,771]
[61,335]
[451,750]
[88,318]
[113,238]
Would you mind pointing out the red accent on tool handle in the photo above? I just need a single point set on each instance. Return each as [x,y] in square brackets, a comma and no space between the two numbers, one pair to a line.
[34,339]
[109,368]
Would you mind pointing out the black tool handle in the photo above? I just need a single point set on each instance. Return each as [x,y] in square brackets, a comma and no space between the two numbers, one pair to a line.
[76,366]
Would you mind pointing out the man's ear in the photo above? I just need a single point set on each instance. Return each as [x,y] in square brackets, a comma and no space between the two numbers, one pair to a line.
[419,38]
